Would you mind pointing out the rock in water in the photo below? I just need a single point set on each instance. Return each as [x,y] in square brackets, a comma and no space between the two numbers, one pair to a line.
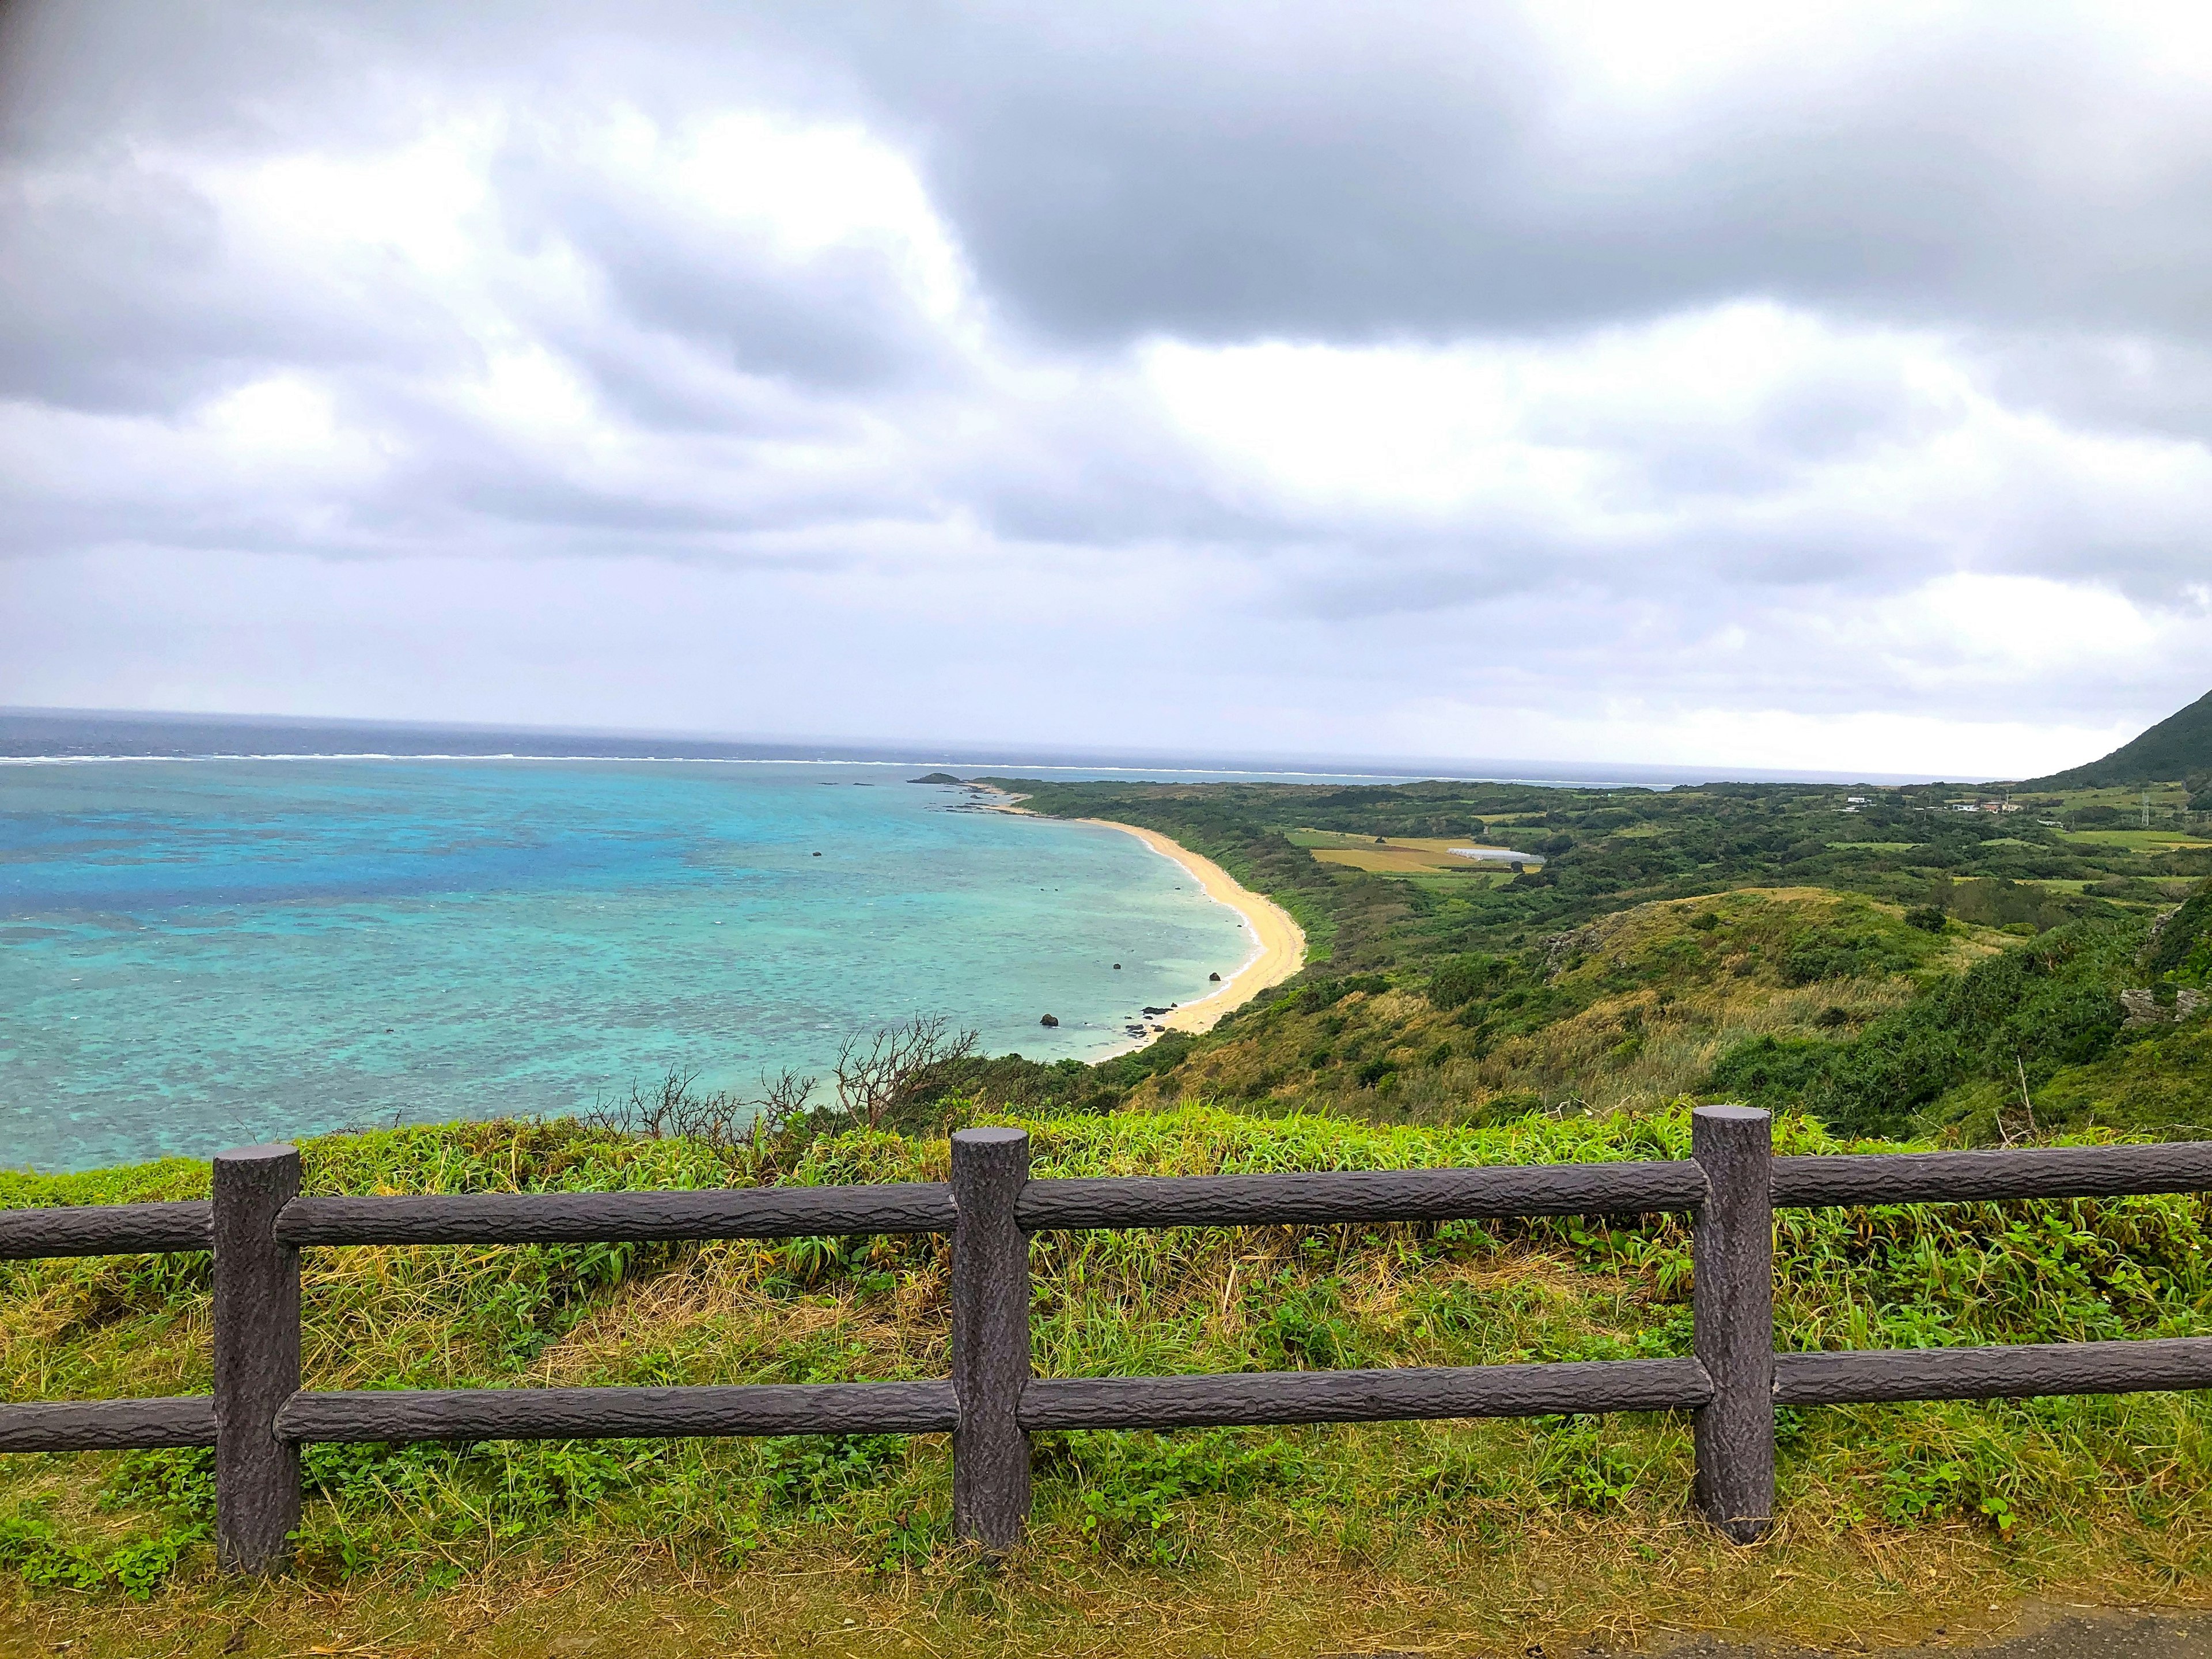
[1117,967]
[1049,1020]
[1216,978]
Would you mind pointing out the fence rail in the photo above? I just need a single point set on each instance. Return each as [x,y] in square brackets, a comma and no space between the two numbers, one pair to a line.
[258,1416]
[2181,1166]
[108,1229]
[590,1218]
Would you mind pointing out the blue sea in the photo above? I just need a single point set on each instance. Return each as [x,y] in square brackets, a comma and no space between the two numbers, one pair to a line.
[198,952]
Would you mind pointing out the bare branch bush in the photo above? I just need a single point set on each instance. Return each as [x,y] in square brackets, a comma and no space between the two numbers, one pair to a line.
[884,1080]
[881,1079]
[721,1118]
[783,1108]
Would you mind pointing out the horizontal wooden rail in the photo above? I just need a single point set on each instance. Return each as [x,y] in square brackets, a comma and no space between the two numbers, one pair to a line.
[1361,1195]
[2180,1166]
[108,1229]
[1259,1397]
[69,1425]
[1865,1376]
[620,1413]
[593,1218]
[1306,1198]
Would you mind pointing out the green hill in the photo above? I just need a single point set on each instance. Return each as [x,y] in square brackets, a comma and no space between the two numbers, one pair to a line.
[2178,747]
[1808,945]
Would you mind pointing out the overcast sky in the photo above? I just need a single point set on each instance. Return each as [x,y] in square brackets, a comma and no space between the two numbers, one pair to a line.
[1779,387]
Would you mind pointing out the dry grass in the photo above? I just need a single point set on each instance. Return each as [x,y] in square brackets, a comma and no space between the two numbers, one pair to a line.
[1558,1586]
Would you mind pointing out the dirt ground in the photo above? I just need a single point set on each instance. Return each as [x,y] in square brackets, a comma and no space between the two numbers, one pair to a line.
[2041,1632]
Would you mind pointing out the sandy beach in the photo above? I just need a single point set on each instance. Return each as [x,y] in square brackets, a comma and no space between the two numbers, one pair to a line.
[1277,943]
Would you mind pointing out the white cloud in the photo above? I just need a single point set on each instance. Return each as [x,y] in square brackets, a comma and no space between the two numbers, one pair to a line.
[2017,626]
[595,354]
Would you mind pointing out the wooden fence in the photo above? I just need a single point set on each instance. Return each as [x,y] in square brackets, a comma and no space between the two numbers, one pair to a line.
[259,1416]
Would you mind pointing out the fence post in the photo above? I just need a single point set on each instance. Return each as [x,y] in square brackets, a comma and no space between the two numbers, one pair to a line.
[990,1337]
[1735,1318]
[256,1358]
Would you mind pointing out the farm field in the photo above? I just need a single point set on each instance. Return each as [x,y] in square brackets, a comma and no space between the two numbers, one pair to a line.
[1403,855]
[2140,841]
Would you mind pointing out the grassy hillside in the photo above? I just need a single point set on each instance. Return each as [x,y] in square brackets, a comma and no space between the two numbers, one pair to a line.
[1630,1008]
[2178,747]
[1834,949]
[1243,1541]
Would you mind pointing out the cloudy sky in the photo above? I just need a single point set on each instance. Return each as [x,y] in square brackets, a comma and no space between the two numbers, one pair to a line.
[1780,387]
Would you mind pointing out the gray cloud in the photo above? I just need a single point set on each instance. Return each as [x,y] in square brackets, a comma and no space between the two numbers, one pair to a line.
[839,319]
[122,294]
[1426,170]
[1409,362]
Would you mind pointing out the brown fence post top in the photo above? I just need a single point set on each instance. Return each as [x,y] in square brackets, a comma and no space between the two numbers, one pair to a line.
[992,1136]
[1731,1114]
[267,1149]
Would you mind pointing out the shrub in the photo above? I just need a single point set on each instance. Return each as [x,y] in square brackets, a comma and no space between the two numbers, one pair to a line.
[1839,956]
[1772,1071]
[1318,994]
[2099,818]
[1463,979]
[2021,1015]
[2182,946]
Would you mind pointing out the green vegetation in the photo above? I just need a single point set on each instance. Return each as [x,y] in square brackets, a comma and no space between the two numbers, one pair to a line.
[2026,1014]
[1800,944]
[1246,1540]
[2180,953]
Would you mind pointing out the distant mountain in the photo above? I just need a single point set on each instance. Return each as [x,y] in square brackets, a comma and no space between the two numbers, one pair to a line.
[2178,747]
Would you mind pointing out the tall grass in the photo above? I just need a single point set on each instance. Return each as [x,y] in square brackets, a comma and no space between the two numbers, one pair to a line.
[2047,1484]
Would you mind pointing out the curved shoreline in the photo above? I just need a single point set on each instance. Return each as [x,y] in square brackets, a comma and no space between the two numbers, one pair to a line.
[1279,944]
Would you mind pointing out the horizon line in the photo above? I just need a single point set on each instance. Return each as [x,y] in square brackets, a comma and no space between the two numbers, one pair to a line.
[1548,772]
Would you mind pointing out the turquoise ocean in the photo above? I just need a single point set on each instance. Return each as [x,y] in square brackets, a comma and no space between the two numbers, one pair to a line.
[203,952]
